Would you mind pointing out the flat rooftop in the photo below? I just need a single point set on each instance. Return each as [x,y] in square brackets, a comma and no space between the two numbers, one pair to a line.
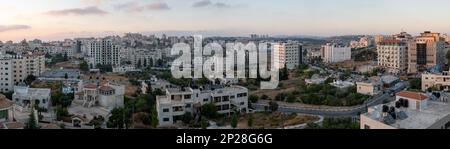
[423,119]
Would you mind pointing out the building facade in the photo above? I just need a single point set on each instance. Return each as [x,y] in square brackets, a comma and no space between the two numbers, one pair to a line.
[393,55]
[440,81]
[179,101]
[425,51]
[104,52]
[28,98]
[288,54]
[333,53]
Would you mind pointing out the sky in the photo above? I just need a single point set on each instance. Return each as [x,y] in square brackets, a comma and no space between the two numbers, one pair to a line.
[59,19]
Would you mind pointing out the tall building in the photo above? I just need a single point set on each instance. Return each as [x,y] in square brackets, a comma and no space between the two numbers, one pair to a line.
[288,54]
[15,68]
[332,53]
[425,51]
[378,39]
[104,52]
[393,55]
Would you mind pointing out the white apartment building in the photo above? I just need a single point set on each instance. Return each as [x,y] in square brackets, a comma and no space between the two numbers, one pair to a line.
[333,53]
[287,54]
[15,68]
[393,55]
[177,102]
[104,52]
[439,81]
[410,110]
[144,56]
[27,97]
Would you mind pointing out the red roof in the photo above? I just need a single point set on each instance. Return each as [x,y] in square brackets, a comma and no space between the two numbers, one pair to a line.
[412,95]
[90,86]
[5,102]
[106,88]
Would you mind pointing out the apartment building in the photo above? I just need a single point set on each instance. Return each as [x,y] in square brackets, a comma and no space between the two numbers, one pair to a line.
[179,101]
[28,98]
[103,51]
[425,51]
[410,110]
[144,57]
[393,55]
[15,68]
[333,53]
[289,54]
[439,81]
[370,87]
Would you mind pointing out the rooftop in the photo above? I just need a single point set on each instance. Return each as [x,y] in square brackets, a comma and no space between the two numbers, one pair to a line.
[416,119]
[5,102]
[412,95]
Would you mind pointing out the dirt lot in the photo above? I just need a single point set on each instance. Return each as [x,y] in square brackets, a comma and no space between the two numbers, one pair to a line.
[288,86]
[276,120]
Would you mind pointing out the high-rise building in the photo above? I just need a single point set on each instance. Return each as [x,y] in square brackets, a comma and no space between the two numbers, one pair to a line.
[425,51]
[287,54]
[104,52]
[393,55]
[332,53]
[15,68]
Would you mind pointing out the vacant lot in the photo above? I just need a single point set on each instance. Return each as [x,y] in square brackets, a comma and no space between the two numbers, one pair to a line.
[276,120]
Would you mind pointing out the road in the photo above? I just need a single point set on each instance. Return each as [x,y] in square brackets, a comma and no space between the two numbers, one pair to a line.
[325,111]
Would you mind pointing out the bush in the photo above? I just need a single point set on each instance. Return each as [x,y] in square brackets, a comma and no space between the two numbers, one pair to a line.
[253,98]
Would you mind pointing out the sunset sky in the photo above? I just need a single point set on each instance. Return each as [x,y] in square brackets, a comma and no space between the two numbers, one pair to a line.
[59,19]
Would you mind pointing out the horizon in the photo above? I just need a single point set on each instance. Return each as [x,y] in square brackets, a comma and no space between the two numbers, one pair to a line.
[51,20]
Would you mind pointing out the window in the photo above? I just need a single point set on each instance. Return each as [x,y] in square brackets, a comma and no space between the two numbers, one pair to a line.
[166,119]
[188,105]
[205,100]
[4,114]
[187,96]
[165,110]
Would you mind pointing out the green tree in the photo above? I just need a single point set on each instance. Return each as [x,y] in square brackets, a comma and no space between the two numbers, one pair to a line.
[30,79]
[84,66]
[264,97]
[32,121]
[139,64]
[204,123]
[253,98]
[250,120]
[145,63]
[291,98]
[160,62]
[66,58]
[151,62]
[234,120]
[187,118]
[415,83]
[273,106]
[66,76]
[209,110]
[120,118]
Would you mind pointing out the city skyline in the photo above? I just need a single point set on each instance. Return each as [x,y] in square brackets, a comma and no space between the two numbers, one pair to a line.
[56,20]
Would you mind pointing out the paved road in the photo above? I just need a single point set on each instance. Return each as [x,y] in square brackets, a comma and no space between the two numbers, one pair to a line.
[330,111]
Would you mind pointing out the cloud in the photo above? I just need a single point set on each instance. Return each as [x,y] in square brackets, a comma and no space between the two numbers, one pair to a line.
[206,3]
[5,28]
[138,7]
[93,10]
[202,3]
[158,6]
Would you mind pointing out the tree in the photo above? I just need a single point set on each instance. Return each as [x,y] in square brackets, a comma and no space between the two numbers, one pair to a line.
[84,66]
[151,62]
[139,63]
[30,79]
[415,83]
[264,97]
[187,118]
[61,112]
[250,120]
[273,106]
[66,76]
[145,63]
[120,118]
[209,110]
[234,120]
[204,123]
[160,62]
[66,58]
[291,98]
[32,121]
[254,98]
